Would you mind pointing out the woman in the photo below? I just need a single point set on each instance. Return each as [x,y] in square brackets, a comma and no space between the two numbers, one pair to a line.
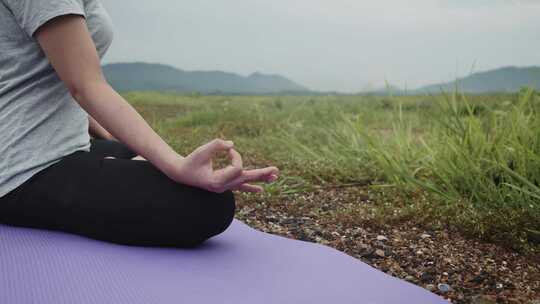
[51,84]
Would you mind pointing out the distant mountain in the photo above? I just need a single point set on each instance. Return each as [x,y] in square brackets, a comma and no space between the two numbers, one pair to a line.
[507,79]
[159,77]
[389,89]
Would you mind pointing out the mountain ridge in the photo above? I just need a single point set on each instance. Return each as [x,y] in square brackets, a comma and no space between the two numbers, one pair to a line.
[142,76]
[499,80]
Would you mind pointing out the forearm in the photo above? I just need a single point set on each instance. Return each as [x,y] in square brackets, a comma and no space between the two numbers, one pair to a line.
[124,123]
[97,131]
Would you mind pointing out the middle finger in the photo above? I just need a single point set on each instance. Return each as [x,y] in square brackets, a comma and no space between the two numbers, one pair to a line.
[256,175]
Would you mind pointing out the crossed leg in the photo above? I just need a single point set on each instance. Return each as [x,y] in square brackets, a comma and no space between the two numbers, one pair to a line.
[117,200]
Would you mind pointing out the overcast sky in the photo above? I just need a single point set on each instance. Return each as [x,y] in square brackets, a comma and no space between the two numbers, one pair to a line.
[346,45]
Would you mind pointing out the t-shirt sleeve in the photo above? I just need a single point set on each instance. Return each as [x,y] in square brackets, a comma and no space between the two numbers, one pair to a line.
[31,14]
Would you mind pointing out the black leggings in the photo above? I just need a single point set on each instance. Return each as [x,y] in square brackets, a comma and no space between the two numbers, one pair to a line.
[117,200]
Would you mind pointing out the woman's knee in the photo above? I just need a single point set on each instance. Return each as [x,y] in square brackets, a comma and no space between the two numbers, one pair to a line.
[215,214]
[222,208]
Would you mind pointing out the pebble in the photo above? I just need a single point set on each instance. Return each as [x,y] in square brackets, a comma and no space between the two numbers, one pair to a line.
[288,221]
[425,236]
[363,246]
[444,288]
[380,253]
[482,300]
[427,277]
[430,287]
[382,238]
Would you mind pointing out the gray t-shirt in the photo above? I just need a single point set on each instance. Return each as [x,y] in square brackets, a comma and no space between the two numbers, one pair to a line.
[40,122]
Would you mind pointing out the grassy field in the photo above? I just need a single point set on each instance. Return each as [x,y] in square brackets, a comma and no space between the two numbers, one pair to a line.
[472,162]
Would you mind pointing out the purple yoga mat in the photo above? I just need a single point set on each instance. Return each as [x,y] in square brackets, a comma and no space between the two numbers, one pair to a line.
[240,266]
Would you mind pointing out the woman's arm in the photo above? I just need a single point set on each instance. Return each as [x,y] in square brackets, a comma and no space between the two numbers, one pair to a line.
[71,51]
[97,131]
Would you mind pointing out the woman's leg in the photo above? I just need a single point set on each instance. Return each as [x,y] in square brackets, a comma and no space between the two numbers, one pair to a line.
[117,200]
[111,148]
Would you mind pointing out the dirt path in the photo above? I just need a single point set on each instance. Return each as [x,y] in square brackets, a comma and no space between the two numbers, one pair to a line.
[441,260]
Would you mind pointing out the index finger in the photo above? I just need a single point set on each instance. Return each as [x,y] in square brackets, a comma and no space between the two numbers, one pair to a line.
[211,148]
[236,158]
[231,172]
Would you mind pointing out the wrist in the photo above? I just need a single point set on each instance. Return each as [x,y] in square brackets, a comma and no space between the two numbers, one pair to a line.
[170,164]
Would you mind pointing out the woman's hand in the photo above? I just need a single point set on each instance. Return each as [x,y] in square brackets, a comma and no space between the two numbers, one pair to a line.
[97,131]
[197,170]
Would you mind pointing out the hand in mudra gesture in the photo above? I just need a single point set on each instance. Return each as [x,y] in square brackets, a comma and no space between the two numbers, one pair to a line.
[197,170]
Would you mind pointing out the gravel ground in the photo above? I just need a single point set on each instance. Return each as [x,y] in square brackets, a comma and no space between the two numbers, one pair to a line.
[441,260]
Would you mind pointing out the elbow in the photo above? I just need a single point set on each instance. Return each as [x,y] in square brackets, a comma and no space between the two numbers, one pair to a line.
[82,90]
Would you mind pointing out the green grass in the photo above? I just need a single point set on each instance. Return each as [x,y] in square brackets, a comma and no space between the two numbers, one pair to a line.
[468,161]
